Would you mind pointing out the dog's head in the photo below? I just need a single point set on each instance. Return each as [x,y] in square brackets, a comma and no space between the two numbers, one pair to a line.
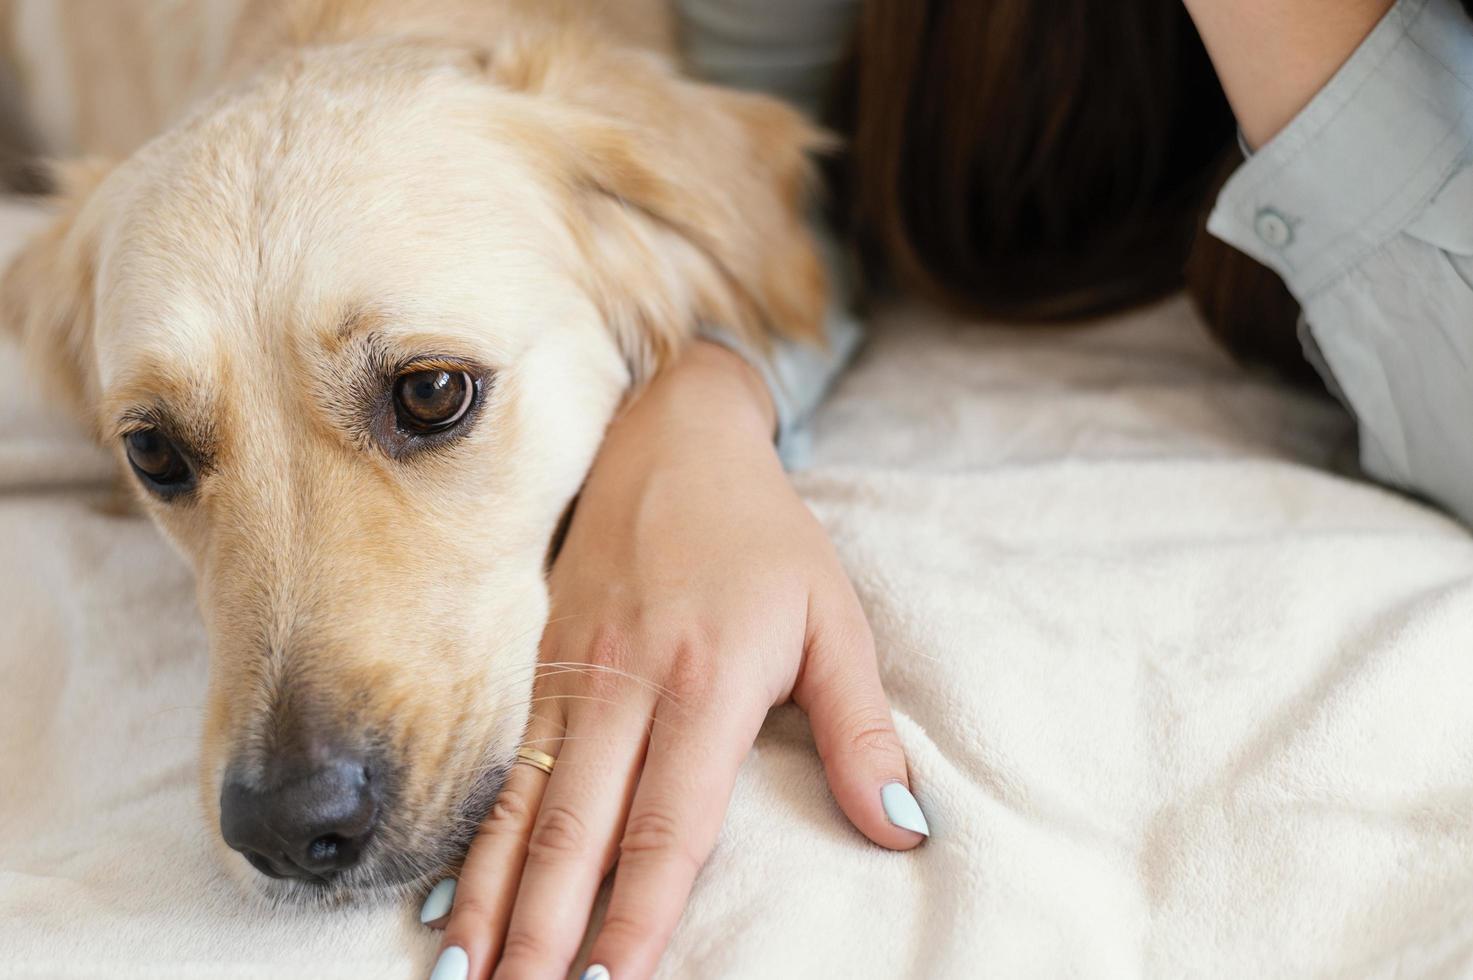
[355,329]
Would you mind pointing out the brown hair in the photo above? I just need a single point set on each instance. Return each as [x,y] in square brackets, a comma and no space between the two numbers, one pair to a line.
[1047,161]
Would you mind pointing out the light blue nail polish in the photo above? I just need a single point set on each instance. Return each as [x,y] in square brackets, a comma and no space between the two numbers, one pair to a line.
[453,964]
[595,972]
[902,809]
[438,901]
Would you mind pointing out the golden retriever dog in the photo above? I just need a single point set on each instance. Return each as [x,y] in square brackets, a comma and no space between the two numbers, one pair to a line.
[352,288]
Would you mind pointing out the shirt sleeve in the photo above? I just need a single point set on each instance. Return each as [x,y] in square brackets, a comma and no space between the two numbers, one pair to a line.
[798,374]
[1364,205]
[788,49]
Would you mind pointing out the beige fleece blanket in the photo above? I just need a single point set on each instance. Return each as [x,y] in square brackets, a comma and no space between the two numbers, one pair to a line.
[1178,700]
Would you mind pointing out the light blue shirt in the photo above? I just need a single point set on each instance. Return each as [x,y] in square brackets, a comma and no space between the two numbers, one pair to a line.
[787,48]
[1363,204]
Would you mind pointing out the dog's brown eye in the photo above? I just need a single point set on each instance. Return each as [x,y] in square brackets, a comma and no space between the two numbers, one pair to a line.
[157,460]
[434,400]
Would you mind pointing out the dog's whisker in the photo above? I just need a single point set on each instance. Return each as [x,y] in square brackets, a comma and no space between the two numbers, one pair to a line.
[653,719]
[581,738]
[910,650]
[557,668]
[571,697]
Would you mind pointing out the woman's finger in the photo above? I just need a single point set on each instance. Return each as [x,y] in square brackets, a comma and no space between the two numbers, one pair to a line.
[839,689]
[487,886]
[574,836]
[673,822]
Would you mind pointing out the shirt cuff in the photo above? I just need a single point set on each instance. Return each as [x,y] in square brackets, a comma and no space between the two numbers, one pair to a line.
[798,374]
[1364,158]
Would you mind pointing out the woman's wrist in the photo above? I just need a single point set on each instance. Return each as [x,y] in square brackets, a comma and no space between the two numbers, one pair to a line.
[1273,56]
[708,405]
[706,385]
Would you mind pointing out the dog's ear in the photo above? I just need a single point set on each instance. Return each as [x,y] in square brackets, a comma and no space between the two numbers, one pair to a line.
[688,201]
[46,293]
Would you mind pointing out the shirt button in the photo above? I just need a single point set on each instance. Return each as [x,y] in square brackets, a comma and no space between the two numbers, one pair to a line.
[1273,228]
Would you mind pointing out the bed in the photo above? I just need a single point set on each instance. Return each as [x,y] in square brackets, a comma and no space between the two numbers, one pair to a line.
[1181,696]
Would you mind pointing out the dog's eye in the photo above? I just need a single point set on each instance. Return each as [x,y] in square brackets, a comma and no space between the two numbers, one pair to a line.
[434,400]
[157,460]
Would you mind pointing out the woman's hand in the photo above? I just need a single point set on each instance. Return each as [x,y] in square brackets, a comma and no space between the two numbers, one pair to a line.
[694,592]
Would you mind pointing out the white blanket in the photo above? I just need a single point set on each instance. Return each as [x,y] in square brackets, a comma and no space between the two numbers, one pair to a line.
[1177,700]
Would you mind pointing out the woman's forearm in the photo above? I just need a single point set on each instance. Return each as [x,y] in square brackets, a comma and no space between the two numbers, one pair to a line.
[1272,56]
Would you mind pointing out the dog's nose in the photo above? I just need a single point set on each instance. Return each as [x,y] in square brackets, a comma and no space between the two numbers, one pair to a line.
[310,825]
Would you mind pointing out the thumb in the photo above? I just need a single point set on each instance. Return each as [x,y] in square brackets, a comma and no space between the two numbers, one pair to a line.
[839,689]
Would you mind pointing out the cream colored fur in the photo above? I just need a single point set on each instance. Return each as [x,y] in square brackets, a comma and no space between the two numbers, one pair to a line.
[339,186]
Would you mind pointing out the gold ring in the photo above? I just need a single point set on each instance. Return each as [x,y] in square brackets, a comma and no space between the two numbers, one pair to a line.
[537,759]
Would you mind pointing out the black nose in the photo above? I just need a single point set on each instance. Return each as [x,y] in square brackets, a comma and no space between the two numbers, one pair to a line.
[310,824]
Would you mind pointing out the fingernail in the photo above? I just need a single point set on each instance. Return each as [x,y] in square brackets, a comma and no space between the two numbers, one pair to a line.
[438,901]
[595,972]
[902,808]
[453,964]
